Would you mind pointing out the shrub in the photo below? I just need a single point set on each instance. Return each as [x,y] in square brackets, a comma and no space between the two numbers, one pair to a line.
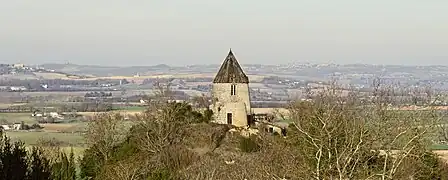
[64,167]
[249,144]
[49,142]
[36,126]
[218,136]
[45,120]
[208,115]
[91,163]
[124,150]
[430,167]
[162,174]
[176,157]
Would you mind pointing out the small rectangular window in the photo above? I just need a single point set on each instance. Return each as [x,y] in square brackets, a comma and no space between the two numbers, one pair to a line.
[232,89]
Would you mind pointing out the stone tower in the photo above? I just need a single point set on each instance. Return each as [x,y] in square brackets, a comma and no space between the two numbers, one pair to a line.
[230,94]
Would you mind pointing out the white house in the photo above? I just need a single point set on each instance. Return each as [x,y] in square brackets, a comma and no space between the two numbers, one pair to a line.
[6,127]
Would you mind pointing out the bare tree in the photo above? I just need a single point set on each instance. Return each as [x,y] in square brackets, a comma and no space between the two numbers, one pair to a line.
[105,131]
[337,135]
[160,129]
[202,101]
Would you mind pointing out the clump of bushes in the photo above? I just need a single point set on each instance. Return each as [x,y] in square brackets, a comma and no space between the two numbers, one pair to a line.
[45,120]
[249,144]
[49,142]
[36,126]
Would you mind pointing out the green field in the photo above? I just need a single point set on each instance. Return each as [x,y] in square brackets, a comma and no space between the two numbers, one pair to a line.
[10,118]
[31,138]
[438,147]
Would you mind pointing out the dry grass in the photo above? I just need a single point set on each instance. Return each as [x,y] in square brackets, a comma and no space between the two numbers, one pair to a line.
[229,162]
[443,154]
[47,75]
[54,75]
[63,127]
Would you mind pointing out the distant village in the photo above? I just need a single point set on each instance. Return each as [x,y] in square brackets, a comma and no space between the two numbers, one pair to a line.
[13,69]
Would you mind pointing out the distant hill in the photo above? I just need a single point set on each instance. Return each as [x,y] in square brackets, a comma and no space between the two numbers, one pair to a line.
[161,66]
[22,71]
[357,75]
[95,70]
[41,75]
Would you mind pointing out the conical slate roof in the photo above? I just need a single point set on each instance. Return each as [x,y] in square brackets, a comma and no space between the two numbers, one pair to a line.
[231,71]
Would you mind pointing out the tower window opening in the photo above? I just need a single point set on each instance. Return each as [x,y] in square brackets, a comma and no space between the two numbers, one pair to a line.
[232,89]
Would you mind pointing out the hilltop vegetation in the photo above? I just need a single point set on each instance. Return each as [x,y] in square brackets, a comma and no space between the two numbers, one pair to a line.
[331,137]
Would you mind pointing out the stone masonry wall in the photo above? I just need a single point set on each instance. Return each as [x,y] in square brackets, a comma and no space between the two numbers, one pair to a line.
[224,102]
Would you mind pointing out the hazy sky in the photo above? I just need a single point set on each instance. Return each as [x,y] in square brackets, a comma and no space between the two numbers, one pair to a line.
[148,32]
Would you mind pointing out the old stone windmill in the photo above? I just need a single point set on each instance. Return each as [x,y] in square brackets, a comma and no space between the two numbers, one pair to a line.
[230,94]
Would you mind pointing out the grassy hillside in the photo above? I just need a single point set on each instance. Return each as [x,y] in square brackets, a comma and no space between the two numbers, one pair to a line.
[41,75]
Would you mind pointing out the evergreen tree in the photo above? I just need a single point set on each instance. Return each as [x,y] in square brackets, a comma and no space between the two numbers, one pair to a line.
[90,163]
[64,167]
[39,166]
[16,164]
[13,159]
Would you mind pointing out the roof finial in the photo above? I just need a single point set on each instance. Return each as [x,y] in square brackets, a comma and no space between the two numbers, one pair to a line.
[230,51]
